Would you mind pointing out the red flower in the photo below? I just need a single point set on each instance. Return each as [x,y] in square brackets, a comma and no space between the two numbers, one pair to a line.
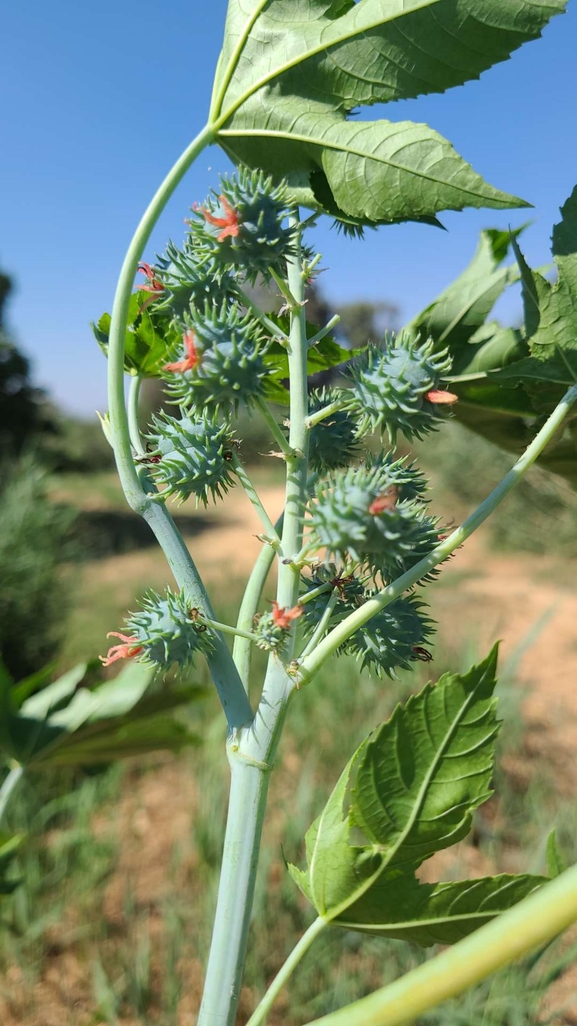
[192,358]
[283,617]
[385,501]
[129,648]
[442,398]
[229,224]
[152,284]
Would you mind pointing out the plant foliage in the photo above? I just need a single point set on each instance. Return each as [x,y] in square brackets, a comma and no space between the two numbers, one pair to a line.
[290,76]
[414,785]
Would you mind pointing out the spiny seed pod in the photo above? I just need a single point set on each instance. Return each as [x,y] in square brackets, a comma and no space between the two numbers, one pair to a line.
[397,388]
[393,638]
[243,225]
[333,441]
[223,362]
[350,595]
[273,628]
[194,454]
[188,279]
[368,511]
[162,633]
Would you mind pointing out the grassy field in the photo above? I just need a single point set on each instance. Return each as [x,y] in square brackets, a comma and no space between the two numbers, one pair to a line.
[112,921]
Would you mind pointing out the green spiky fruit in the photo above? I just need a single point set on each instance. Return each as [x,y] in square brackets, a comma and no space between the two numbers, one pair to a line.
[227,365]
[195,456]
[166,632]
[350,595]
[244,225]
[273,628]
[333,441]
[374,514]
[390,387]
[189,280]
[393,638]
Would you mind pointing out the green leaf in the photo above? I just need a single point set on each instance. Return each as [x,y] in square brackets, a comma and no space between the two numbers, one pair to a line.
[290,74]
[456,319]
[337,871]
[555,862]
[149,338]
[377,171]
[415,783]
[426,769]
[398,906]
[550,317]
[70,723]
[322,356]
[9,847]
[374,51]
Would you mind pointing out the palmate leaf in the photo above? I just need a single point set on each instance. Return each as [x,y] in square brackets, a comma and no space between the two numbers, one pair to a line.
[291,72]
[150,337]
[517,374]
[413,784]
[456,319]
[550,317]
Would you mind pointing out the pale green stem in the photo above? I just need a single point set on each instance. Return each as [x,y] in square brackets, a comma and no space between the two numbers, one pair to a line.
[8,786]
[256,501]
[274,329]
[225,628]
[242,650]
[361,616]
[227,681]
[534,921]
[274,428]
[246,808]
[327,411]
[252,751]
[314,593]
[263,1008]
[324,331]
[321,625]
[133,423]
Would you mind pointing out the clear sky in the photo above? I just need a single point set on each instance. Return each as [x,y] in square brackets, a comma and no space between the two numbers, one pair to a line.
[98,100]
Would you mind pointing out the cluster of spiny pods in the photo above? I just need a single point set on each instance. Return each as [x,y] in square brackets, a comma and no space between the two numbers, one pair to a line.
[368,517]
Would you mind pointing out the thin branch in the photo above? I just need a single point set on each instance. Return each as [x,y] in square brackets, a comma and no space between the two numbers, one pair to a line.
[274,428]
[271,534]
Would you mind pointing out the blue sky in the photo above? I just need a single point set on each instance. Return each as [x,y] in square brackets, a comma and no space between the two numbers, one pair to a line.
[100,99]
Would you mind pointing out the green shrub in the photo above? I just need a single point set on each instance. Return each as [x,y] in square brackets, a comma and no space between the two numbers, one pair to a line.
[33,540]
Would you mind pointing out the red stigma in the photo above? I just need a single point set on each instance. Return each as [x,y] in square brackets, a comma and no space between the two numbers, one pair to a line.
[385,501]
[440,397]
[129,648]
[283,617]
[152,284]
[229,224]
[192,358]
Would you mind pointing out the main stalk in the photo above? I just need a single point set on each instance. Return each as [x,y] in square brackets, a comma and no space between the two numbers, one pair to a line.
[251,752]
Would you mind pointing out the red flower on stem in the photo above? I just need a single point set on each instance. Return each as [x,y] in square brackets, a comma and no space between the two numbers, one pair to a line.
[283,617]
[152,283]
[442,398]
[130,647]
[192,358]
[229,224]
